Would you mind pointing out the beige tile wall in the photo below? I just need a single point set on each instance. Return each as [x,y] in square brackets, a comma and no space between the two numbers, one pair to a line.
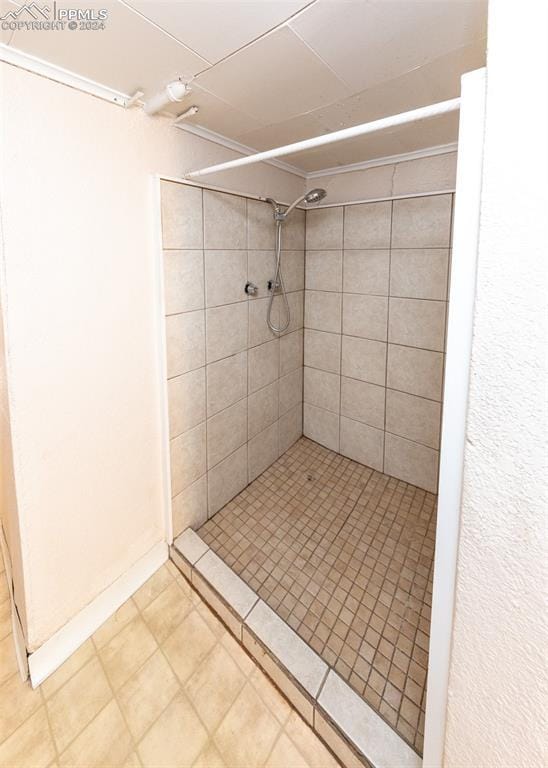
[234,387]
[374,339]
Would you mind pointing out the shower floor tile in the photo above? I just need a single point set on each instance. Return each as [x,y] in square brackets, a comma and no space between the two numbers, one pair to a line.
[343,554]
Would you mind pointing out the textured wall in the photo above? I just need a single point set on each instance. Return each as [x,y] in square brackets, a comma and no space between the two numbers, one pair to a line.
[234,386]
[375,309]
[80,320]
[497,689]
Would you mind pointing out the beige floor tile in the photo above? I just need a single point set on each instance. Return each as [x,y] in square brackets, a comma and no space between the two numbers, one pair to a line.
[312,749]
[214,686]
[4,591]
[188,645]
[285,755]
[132,761]
[127,651]
[8,662]
[176,738]
[152,588]
[147,693]
[68,669]
[242,659]
[126,613]
[248,732]
[209,757]
[30,746]
[166,612]
[105,743]
[17,702]
[216,626]
[75,705]
[270,695]
[5,618]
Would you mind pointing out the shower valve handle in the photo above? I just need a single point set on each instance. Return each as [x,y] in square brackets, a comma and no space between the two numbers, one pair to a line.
[251,289]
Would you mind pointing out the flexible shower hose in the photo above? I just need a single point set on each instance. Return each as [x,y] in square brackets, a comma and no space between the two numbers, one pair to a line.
[278,282]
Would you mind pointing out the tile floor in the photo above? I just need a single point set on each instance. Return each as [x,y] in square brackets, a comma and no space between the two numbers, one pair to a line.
[161,684]
[344,554]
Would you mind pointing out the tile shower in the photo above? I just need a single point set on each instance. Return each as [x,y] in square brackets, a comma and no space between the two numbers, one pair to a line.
[333,530]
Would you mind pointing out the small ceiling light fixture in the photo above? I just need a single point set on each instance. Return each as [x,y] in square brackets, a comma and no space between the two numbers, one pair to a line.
[173,92]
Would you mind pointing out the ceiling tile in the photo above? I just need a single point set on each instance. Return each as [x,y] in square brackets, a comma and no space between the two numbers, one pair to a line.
[214,29]
[366,42]
[127,55]
[274,79]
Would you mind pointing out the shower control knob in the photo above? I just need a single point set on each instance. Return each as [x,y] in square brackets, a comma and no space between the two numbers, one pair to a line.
[251,289]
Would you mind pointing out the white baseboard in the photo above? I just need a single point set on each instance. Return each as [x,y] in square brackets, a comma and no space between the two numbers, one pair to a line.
[17,629]
[69,638]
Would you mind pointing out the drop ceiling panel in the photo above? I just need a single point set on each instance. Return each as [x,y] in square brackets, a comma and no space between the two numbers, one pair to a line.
[216,29]
[274,79]
[127,55]
[366,43]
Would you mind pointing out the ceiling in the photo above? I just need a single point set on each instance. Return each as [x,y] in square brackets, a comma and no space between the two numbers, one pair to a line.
[269,72]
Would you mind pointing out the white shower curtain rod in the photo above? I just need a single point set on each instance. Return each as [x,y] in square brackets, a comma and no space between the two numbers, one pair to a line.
[432,110]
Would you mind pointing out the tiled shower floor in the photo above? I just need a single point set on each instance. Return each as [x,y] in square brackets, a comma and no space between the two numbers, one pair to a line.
[344,554]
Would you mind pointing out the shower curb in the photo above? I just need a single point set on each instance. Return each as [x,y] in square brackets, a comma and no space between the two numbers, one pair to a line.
[347,725]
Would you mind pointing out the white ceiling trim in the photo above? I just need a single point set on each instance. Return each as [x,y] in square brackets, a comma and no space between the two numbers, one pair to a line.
[440,149]
[23,60]
[217,138]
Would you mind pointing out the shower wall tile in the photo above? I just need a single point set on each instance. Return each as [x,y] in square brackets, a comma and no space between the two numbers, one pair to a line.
[417,323]
[226,330]
[261,266]
[363,402]
[188,458]
[263,450]
[322,389]
[293,270]
[416,371]
[374,342]
[406,459]
[261,228]
[290,427]
[227,479]
[367,225]
[413,418]
[362,443]
[183,281]
[291,390]
[291,351]
[324,270]
[225,224]
[225,277]
[185,342]
[321,426]
[422,222]
[262,409]
[263,365]
[323,311]
[365,316]
[419,273]
[187,401]
[226,382]
[324,229]
[364,359]
[190,506]
[248,371]
[226,431]
[322,350]
[181,216]
[259,332]
[366,272]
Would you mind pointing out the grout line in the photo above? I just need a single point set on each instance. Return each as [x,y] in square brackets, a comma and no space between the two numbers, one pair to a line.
[387,333]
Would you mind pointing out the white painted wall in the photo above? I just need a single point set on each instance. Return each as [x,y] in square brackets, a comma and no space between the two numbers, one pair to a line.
[497,688]
[79,315]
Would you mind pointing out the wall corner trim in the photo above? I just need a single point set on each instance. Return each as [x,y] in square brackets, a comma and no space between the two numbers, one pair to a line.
[70,637]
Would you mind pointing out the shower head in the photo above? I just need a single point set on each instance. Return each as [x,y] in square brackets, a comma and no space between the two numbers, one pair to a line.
[314,196]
